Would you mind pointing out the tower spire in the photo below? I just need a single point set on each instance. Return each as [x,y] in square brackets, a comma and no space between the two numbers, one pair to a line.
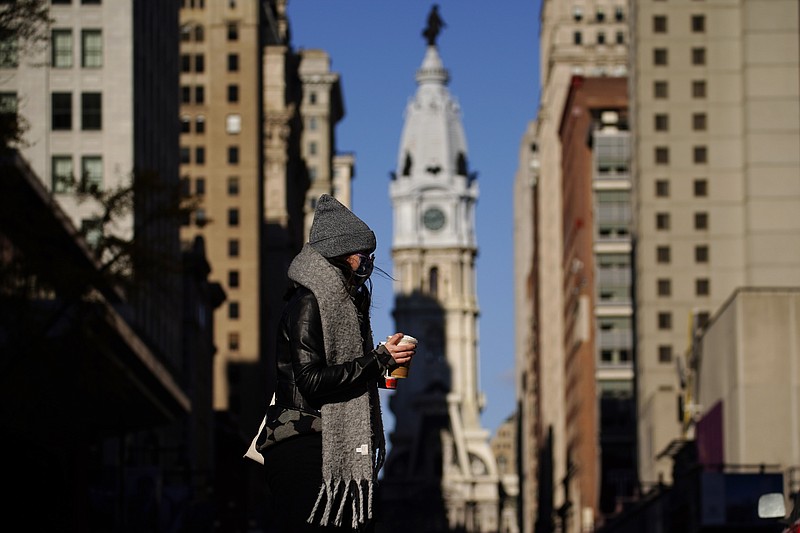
[440,463]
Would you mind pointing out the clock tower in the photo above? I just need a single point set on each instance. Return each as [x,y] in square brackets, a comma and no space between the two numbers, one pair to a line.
[440,474]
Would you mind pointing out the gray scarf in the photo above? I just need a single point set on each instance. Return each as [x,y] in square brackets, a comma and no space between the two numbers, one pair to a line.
[353,447]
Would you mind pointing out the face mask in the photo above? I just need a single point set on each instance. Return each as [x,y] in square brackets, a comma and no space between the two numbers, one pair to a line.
[365,266]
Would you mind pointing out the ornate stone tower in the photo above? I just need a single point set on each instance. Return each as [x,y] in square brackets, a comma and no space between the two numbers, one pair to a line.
[441,474]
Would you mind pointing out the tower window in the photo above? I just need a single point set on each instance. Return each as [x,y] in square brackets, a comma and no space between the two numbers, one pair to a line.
[433,281]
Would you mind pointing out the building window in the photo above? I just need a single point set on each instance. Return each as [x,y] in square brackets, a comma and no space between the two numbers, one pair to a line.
[91,173]
[660,57]
[233,155]
[702,318]
[661,122]
[663,254]
[601,37]
[233,248]
[233,310]
[663,287]
[700,187]
[312,148]
[599,15]
[700,154]
[664,320]
[312,123]
[702,287]
[233,217]
[186,124]
[61,48]
[233,342]
[199,34]
[701,221]
[91,111]
[233,31]
[200,124]
[698,89]
[91,48]
[9,52]
[577,13]
[186,33]
[200,218]
[233,62]
[186,155]
[620,38]
[698,23]
[233,123]
[62,111]
[660,89]
[233,186]
[701,253]
[186,94]
[577,38]
[200,155]
[312,97]
[200,186]
[698,56]
[233,279]
[433,281]
[186,186]
[199,94]
[665,353]
[233,93]
[662,188]
[312,173]
[662,155]
[62,173]
[662,221]
[659,24]
[699,122]
[8,103]
[92,230]
[199,63]
[619,14]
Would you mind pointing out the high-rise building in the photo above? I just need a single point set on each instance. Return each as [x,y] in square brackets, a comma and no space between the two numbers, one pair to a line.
[440,463]
[589,39]
[714,94]
[257,150]
[713,179]
[101,110]
[221,147]
[598,302]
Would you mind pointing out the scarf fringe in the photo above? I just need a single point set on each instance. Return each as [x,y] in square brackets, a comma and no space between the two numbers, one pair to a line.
[336,495]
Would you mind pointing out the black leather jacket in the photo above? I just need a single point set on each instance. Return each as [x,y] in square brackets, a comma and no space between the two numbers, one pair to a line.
[305,379]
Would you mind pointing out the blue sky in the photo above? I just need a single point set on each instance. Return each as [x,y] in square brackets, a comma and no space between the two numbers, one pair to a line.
[491,50]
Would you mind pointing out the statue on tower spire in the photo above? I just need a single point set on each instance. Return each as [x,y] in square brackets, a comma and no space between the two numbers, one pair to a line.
[435,25]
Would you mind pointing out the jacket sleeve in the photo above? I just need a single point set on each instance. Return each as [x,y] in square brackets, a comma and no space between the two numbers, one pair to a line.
[317,380]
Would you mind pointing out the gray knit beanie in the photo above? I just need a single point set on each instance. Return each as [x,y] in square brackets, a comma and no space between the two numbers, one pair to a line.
[337,231]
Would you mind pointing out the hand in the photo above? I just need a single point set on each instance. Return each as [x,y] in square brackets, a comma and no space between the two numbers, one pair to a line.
[401,353]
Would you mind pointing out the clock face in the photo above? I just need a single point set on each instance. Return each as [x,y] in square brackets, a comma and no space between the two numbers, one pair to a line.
[433,218]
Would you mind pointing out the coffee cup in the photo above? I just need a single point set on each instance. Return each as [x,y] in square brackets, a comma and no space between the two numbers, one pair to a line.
[401,371]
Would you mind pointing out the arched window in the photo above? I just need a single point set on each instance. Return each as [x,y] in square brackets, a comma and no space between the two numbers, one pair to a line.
[433,281]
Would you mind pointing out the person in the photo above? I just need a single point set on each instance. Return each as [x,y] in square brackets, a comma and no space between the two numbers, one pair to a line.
[327,365]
